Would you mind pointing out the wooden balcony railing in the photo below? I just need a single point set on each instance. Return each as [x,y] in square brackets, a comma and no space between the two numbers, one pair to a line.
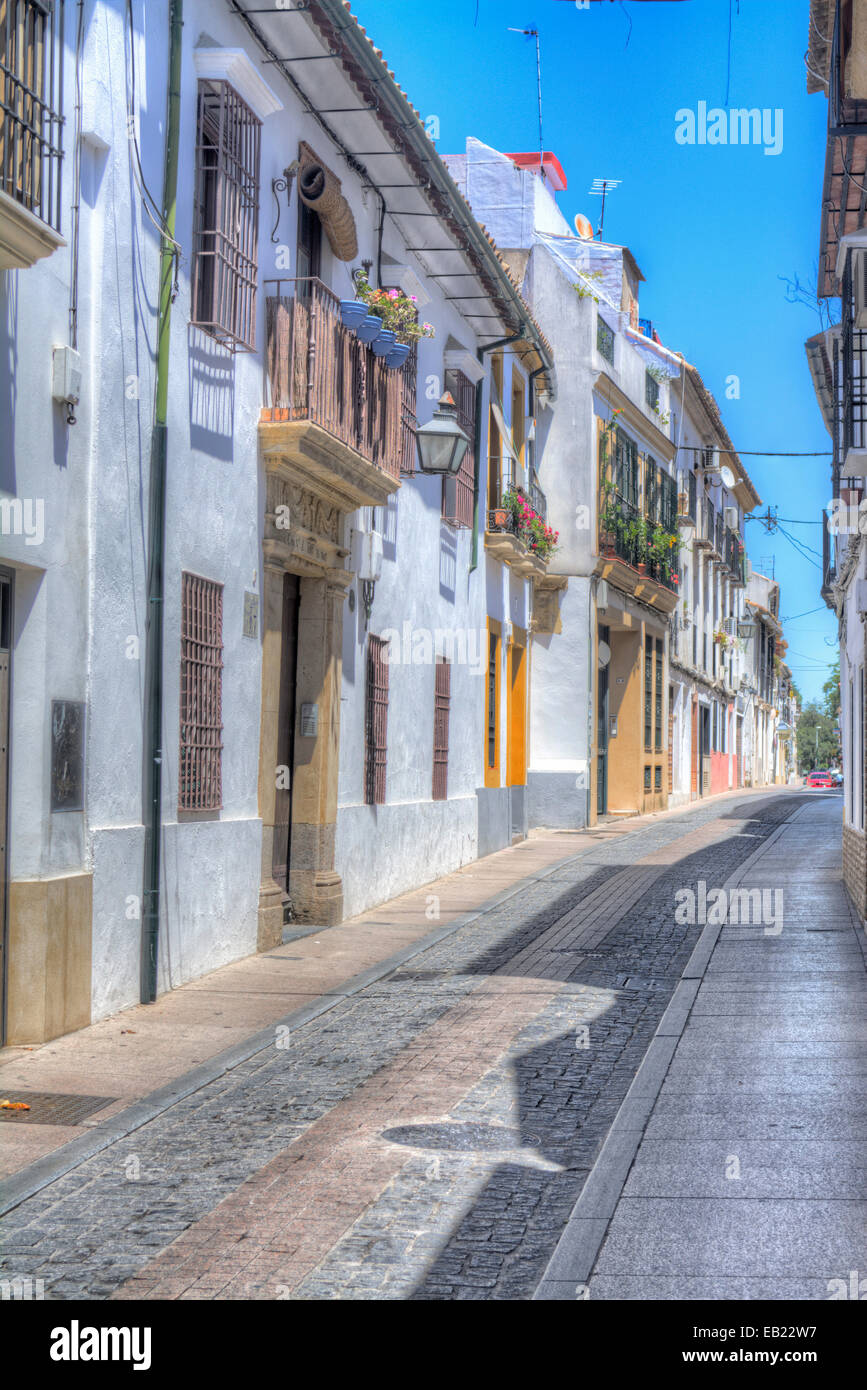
[318,370]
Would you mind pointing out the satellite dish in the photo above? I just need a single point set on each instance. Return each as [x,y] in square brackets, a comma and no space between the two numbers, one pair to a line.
[604,655]
[584,227]
[727,476]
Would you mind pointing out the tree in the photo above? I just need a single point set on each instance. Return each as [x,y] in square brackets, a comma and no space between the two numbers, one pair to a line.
[831,692]
[818,744]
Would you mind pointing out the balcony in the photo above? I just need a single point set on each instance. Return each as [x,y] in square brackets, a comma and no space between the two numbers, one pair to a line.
[509,536]
[339,420]
[687,504]
[705,535]
[627,557]
[735,557]
[31,67]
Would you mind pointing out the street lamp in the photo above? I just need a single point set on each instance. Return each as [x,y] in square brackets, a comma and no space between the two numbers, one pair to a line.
[441,442]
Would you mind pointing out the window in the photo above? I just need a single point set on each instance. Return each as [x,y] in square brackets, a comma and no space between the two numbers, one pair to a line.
[31,51]
[376,722]
[626,468]
[226,216]
[658,705]
[458,491]
[309,256]
[200,772]
[657,779]
[651,391]
[648,694]
[492,707]
[648,774]
[442,700]
[604,339]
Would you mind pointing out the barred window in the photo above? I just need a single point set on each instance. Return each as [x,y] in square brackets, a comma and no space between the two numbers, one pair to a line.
[31,52]
[648,694]
[442,701]
[458,491]
[651,390]
[376,722]
[226,216]
[604,339]
[200,774]
[658,697]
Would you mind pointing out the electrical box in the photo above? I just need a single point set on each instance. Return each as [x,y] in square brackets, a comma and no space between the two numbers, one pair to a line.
[309,721]
[367,555]
[66,375]
[730,517]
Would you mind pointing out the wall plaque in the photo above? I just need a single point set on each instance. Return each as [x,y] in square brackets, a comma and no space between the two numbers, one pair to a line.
[67,755]
[251,614]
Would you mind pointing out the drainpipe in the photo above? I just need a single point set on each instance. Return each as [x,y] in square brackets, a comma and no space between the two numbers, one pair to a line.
[477,448]
[153,718]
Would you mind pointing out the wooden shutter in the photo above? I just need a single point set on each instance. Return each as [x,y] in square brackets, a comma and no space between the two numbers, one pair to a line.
[458,492]
[376,724]
[442,700]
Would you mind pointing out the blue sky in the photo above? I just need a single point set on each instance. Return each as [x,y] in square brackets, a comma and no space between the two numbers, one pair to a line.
[713,227]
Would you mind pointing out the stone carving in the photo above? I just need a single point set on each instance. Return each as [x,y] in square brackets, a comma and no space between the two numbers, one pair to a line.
[306,510]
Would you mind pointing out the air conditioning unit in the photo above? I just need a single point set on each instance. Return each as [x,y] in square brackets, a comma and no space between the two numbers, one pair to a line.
[730,516]
[367,555]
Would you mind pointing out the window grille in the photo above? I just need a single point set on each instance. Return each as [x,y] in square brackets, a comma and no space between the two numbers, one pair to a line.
[442,701]
[200,773]
[31,124]
[376,723]
[226,217]
[604,339]
[493,659]
[408,417]
[651,390]
[658,697]
[648,694]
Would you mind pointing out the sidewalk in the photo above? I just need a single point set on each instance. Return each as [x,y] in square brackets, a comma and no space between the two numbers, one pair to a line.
[153,1054]
[735,1166]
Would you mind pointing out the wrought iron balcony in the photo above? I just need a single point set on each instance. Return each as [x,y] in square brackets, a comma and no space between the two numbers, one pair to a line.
[320,372]
[847,112]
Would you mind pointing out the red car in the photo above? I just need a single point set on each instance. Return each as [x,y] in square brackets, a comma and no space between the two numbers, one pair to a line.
[820,779]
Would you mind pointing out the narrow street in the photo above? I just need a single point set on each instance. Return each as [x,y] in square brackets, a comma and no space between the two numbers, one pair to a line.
[574,1093]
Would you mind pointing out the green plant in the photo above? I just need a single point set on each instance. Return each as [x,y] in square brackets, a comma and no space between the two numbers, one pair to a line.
[584,291]
[528,526]
[398,311]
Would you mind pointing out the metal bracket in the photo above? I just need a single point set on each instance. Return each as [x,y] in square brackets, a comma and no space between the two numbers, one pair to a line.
[283,185]
[368,589]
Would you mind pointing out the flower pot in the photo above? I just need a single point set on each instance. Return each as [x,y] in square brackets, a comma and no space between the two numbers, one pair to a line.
[641,566]
[398,355]
[369,328]
[499,519]
[352,312]
[384,343]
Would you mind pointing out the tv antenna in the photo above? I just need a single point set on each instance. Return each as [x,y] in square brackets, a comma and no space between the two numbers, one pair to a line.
[531,32]
[600,188]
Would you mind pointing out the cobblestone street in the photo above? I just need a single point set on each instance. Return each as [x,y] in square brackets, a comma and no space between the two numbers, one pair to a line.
[429,1135]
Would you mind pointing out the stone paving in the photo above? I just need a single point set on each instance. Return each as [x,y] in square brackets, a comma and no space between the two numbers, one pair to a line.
[425,1139]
